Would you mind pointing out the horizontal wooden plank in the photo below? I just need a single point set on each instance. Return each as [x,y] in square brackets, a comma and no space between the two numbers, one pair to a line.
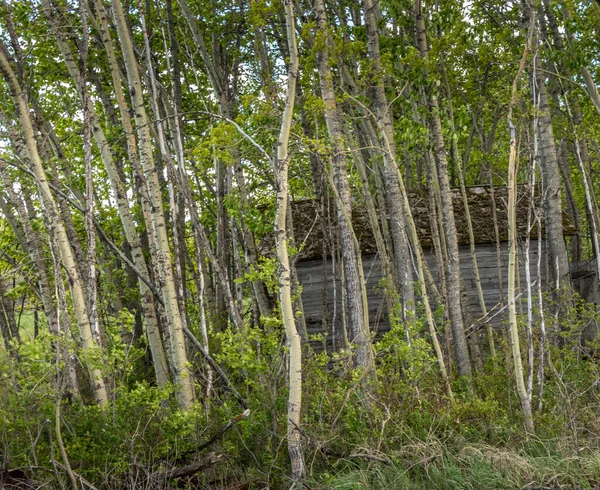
[317,279]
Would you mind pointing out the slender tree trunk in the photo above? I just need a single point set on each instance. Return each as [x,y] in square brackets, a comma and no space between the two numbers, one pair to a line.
[281,166]
[385,124]
[4,328]
[512,258]
[8,322]
[542,349]
[182,374]
[357,307]
[218,79]
[531,211]
[423,273]
[58,228]
[222,249]
[581,143]
[131,234]
[558,259]
[571,207]
[465,200]
[590,199]
[453,273]
[33,245]
[367,195]
[89,188]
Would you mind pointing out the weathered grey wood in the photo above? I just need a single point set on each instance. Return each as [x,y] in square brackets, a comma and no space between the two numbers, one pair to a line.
[310,275]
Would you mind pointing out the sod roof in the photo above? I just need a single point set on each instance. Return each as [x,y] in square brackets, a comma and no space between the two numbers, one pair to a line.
[313,229]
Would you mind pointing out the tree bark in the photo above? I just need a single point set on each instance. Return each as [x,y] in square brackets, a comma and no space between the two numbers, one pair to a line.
[32,244]
[182,374]
[357,307]
[558,260]
[463,192]
[281,166]
[131,234]
[453,273]
[58,228]
[385,124]
[512,257]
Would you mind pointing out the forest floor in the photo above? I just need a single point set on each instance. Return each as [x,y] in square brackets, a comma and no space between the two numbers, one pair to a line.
[400,433]
[474,466]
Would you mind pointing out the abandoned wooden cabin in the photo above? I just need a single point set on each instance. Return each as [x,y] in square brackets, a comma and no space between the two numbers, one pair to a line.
[317,266]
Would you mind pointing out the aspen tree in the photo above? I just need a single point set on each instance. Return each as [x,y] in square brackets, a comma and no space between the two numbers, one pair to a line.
[453,275]
[558,260]
[558,91]
[357,307]
[123,207]
[463,193]
[385,123]
[367,195]
[214,66]
[89,185]
[33,240]
[8,323]
[280,166]
[57,227]
[362,130]
[422,272]
[581,145]
[180,369]
[524,396]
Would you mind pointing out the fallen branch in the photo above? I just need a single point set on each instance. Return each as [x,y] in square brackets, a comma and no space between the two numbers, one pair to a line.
[217,368]
[488,317]
[81,479]
[224,429]
[188,470]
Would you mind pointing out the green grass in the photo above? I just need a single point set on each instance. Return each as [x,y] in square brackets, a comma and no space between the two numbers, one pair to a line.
[474,466]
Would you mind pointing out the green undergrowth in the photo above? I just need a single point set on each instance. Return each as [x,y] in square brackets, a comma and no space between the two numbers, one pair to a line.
[399,431]
[435,465]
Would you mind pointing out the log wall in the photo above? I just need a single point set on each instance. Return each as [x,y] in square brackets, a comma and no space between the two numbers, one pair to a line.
[322,296]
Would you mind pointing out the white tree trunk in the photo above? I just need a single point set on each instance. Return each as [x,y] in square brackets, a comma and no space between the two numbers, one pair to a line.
[512,259]
[131,234]
[181,372]
[281,165]
[58,228]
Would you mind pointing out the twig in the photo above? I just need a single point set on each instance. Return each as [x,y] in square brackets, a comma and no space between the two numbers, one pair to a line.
[228,385]
[225,428]
[188,470]
[475,326]
[77,475]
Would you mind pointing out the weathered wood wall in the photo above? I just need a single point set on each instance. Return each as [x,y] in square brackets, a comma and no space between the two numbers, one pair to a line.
[322,297]
[585,283]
